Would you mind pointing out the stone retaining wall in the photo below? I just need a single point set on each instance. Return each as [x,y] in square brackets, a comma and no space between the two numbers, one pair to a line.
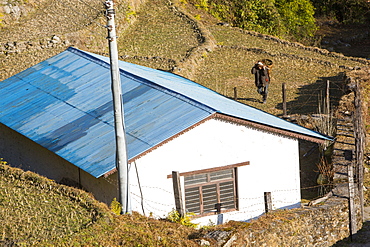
[321,225]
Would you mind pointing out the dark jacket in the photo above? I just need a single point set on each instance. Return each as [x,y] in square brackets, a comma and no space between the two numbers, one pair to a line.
[261,76]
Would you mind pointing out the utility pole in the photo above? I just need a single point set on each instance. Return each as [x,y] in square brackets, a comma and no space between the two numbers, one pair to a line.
[121,149]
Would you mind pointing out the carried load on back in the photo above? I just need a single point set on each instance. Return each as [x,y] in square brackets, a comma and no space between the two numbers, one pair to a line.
[261,71]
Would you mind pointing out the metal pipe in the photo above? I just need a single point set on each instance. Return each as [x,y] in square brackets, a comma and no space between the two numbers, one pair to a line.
[121,149]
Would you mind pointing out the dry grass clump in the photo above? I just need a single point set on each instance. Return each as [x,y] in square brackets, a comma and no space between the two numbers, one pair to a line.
[35,209]
[159,32]
[47,18]
[237,37]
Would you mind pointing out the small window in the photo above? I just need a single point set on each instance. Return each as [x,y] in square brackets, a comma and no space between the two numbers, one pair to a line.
[210,191]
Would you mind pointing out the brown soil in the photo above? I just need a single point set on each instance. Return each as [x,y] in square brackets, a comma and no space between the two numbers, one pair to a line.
[350,40]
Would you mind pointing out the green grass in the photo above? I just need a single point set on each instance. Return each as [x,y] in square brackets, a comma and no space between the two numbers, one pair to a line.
[235,36]
[36,211]
[158,32]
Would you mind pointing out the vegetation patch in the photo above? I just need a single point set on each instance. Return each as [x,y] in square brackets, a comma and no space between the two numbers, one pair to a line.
[28,216]
[158,31]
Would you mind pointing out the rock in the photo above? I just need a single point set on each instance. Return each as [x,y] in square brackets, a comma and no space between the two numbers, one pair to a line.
[10,46]
[17,12]
[203,242]
[55,39]
[7,9]
[218,235]
[13,10]
[325,42]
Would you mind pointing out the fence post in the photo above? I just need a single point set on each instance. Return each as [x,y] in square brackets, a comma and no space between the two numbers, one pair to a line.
[268,202]
[351,195]
[284,99]
[327,97]
[359,145]
[235,93]
[178,193]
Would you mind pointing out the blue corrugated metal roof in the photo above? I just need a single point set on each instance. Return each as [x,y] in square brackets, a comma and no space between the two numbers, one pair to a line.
[65,104]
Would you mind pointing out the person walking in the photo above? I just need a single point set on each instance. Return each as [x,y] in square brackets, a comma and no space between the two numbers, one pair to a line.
[262,79]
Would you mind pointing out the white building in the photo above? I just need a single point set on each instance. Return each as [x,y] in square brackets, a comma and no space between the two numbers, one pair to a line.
[57,120]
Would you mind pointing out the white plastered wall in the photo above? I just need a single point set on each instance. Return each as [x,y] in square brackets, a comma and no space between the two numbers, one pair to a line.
[23,153]
[274,167]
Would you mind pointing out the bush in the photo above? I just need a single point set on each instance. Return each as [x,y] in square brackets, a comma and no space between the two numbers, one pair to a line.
[283,18]
[116,207]
[298,17]
[175,217]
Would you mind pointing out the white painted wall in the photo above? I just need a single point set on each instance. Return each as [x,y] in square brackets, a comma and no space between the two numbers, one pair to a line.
[274,167]
[23,153]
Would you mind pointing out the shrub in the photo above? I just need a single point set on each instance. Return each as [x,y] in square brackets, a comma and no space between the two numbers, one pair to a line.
[284,18]
[175,217]
[116,207]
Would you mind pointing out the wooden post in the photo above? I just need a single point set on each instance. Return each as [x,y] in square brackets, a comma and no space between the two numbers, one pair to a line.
[178,193]
[235,93]
[360,136]
[284,99]
[327,97]
[351,195]
[268,202]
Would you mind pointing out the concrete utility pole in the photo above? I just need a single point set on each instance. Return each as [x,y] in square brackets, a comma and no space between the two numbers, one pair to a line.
[121,149]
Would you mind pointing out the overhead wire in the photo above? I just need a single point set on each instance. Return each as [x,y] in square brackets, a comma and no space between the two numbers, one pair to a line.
[141,192]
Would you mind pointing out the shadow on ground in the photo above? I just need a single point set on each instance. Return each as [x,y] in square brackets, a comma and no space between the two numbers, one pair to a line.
[311,97]
[360,239]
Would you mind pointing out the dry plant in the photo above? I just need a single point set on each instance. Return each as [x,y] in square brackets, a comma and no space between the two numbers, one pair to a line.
[325,124]
[326,174]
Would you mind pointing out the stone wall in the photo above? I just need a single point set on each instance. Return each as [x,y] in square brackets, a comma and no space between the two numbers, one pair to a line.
[320,225]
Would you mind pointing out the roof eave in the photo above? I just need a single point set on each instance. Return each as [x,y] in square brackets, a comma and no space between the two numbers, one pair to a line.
[236,120]
[275,129]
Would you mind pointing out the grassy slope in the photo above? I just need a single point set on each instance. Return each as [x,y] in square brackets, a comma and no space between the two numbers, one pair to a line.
[35,211]
[160,37]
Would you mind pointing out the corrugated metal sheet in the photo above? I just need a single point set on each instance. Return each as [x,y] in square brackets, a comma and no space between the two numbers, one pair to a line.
[65,105]
[211,99]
